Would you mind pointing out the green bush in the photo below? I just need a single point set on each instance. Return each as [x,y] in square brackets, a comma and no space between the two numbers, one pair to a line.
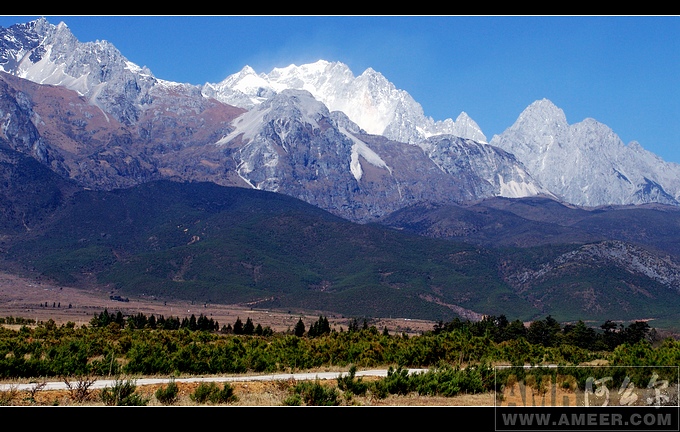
[449,382]
[167,395]
[316,394]
[122,393]
[347,383]
[210,392]
[225,395]
[397,381]
[293,400]
[202,392]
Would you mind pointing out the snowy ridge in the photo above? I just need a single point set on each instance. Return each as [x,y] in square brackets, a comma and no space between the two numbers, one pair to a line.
[369,100]
[50,54]
[249,124]
[500,170]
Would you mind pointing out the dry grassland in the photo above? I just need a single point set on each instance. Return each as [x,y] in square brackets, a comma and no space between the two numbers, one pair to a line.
[31,299]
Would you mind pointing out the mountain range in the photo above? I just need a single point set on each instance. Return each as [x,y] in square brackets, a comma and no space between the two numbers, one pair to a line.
[402,215]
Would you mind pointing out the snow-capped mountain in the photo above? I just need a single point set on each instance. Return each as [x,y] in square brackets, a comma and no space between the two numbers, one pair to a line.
[49,54]
[293,135]
[369,100]
[586,163]
[356,146]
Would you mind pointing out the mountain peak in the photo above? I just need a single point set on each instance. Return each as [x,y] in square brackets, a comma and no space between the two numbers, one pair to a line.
[283,108]
[465,127]
[541,114]
[586,163]
[247,70]
[547,109]
[40,24]
[369,100]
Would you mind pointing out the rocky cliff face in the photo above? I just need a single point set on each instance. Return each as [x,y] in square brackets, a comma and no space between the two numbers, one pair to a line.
[617,253]
[78,140]
[292,144]
[587,163]
[50,54]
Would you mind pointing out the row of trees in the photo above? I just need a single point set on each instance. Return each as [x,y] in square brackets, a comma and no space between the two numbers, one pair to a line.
[548,332]
[248,329]
[318,328]
[141,321]
[203,323]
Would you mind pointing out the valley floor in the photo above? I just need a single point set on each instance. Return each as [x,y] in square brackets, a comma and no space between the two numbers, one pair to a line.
[40,301]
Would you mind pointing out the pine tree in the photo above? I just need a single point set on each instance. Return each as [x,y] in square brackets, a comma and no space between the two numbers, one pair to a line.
[120,319]
[249,327]
[325,326]
[299,329]
[320,327]
[238,326]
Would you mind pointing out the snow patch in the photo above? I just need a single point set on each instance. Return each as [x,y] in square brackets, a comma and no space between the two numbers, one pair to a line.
[360,148]
[517,189]
[248,124]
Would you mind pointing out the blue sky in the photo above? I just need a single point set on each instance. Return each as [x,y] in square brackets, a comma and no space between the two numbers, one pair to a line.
[623,71]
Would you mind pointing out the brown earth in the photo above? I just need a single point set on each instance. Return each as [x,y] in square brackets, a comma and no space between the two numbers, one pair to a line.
[248,393]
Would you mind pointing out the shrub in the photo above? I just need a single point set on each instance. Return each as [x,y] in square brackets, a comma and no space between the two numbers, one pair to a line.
[7,397]
[397,381]
[122,393]
[225,395]
[210,392]
[316,394]
[202,392]
[80,389]
[167,395]
[293,400]
[347,383]
[444,381]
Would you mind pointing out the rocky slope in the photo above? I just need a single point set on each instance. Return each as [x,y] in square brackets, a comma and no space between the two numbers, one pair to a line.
[586,163]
